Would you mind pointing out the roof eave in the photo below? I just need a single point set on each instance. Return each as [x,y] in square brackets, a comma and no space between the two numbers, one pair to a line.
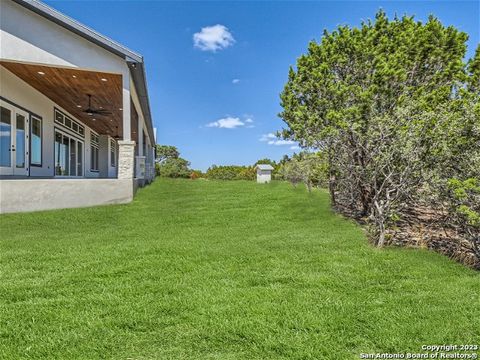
[137,70]
[131,57]
[79,29]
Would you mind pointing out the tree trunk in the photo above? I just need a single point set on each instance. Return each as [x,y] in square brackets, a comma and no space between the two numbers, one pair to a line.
[381,236]
[309,186]
[331,179]
[380,220]
[331,189]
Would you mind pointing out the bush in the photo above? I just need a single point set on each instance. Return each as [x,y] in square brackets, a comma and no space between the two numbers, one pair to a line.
[196,174]
[174,168]
[309,168]
[248,173]
[463,198]
[231,172]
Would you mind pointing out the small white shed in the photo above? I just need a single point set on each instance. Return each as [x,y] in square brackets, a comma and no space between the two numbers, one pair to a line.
[264,173]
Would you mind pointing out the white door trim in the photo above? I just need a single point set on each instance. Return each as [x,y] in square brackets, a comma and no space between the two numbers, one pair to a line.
[13,169]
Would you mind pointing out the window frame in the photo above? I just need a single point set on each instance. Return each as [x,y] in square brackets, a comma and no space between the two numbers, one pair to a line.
[113,153]
[94,145]
[77,139]
[80,128]
[33,118]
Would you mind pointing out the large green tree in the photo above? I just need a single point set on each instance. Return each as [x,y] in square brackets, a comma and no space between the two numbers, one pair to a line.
[164,152]
[170,164]
[174,168]
[380,101]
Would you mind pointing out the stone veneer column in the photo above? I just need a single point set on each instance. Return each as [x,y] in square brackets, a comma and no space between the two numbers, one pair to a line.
[126,159]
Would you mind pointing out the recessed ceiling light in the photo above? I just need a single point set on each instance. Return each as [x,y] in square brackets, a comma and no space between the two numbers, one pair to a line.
[79,106]
[40,73]
[111,119]
[101,107]
[94,119]
[74,76]
[120,109]
[103,79]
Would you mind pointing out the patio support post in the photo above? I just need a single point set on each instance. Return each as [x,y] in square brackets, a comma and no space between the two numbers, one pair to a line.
[140,136]
[127,126]
[126,147]
[126,159]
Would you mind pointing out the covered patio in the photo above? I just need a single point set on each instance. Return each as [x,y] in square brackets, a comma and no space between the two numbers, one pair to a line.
[75,125]
[96,99]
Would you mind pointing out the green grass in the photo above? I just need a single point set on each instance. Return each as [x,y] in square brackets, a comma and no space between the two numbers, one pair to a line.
[221,270]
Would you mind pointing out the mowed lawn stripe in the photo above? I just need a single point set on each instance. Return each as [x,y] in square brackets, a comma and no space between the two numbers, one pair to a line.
[221,270]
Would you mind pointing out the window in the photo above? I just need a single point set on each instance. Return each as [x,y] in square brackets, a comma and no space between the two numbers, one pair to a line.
[59,117]
[36,142]
[68,155]
[80,153]
[5,137]
[93,151]
[112,152]
[69,123]
[20,141]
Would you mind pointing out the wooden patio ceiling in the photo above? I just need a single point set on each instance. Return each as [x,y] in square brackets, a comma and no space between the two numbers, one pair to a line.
[69,88]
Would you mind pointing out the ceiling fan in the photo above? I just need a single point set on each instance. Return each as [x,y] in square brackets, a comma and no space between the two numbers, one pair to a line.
[92,111]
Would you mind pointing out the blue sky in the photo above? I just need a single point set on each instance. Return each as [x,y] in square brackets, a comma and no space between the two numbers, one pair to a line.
[196,102]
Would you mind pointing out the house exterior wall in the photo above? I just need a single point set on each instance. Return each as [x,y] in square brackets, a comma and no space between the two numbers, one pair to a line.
[105,163]
[144,144]
[29,37]
[141,122]
[17,91]
[39,194]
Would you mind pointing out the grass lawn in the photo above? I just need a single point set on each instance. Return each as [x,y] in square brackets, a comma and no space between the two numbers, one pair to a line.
[221,270]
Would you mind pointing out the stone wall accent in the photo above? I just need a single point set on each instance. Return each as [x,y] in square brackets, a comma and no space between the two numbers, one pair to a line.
[126,159]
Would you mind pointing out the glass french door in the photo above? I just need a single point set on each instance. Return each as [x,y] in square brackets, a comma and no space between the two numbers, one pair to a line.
[68,155]
[13,140]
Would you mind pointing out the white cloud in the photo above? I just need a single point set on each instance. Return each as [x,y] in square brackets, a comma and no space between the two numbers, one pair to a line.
[227,123]
[230,122]
[281,142]
[268,137]
[235,81]
[213,38]
[271,139]
[294,147]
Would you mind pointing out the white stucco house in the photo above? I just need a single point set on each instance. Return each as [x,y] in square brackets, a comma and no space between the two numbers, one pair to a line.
[75,122]
[264,173]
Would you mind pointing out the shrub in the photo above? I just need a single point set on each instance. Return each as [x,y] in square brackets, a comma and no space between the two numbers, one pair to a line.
[174,168]
[196,174]
[231,172]
[248,173]
[309,168]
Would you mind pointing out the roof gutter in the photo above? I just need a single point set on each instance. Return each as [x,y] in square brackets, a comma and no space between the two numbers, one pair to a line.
[137,70]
